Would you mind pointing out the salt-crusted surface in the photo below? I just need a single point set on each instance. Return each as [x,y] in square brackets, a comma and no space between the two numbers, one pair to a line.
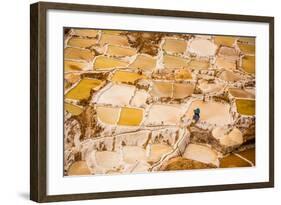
[136,112]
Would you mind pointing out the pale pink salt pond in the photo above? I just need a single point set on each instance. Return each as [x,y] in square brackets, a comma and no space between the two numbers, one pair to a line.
[211,112]
[164,114]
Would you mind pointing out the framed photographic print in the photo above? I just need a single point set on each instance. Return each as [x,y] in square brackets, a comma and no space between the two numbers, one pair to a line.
[133,102]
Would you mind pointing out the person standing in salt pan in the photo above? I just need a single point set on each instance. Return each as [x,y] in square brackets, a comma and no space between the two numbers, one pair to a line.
[196,115]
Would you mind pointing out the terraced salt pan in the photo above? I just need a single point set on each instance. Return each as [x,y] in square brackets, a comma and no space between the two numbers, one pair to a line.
[73,109]
[246,106]
[224,40]
[71,53]
[107,160]
[202,47]
[164,114]
[207,87]
[79,168]
[244,158]
[112,32]
[172,90]
[174,62]
[247,40]
[126,77]
[249,64]
[162,89]
[116,40]
[108,63]
[156,151]
[230,76]
[196,64]
[92,33]
[140,98]
[120,51]
[201,153]
[224,63]
[130,116]
[143,62]
[83,89]
[247,46]
[241,93]
[211,112]
[181,90]
[72,77]
[115,94]
[229,53]
[81,42]
[174,45]
[108,115]
[70,65]
[227,137]
[123,116]
[183,74]
[131,152]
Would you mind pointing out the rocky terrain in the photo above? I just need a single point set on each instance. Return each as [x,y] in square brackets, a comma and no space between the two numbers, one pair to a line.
[129,101]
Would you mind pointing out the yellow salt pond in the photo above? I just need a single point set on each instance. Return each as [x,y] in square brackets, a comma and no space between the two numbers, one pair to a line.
[112,32]
[174,62]
[73,109]
[224,40]
[244,158]
[248,64]
[175,45]
[130,116]
[72,77]
[126,77]
[162,89]
[247,40]
[247,49]
[83,89]
[183,74]
[172,90]
[92,33]
[211,112]
[240,93]
[117,40]
[79,168]
[157,151]
[120,51]
[144,62]
[124,116]
[247,45]
[108,63]
[74,66]
[108,115]
[81,42]
[246,106]
[78,54]
[181,90]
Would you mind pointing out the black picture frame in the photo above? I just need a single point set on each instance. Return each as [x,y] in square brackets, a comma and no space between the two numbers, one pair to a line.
[38,102]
